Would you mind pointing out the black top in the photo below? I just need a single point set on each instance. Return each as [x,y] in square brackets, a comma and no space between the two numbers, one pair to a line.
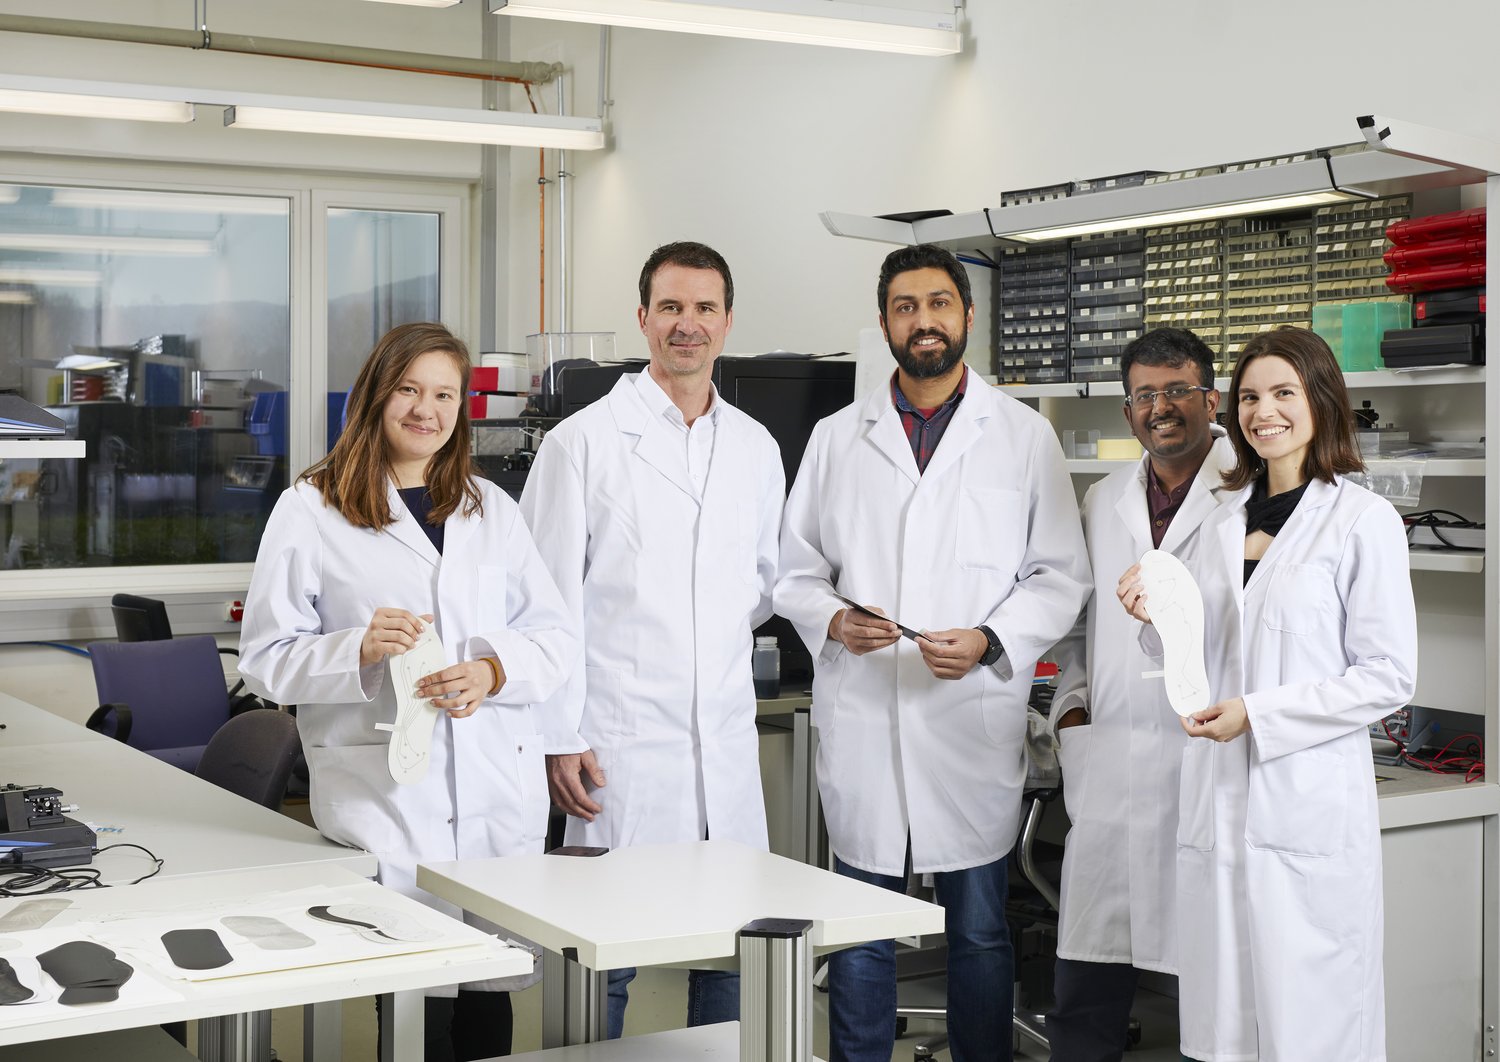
[1268,514]
[419,502]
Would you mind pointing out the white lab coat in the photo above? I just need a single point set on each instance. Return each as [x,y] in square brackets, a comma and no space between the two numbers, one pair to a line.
[667,591]
[1278,871]
[988,535]
[317,582]
[1120,770]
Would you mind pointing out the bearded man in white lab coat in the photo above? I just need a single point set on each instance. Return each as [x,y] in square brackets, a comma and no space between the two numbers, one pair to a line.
[1121,745]
[947,503]
[657,511]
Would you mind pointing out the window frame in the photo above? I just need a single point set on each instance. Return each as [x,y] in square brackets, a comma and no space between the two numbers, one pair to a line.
[68,603]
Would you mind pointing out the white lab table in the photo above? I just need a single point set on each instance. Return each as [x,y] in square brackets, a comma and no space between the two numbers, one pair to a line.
[665,904]
[26,724]
[486,958]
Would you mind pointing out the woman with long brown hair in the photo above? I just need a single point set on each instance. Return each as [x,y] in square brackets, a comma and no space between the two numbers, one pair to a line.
[1310,636]
[390,534]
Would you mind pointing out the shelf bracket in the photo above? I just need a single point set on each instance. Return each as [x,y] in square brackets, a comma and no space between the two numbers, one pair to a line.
[1426,144]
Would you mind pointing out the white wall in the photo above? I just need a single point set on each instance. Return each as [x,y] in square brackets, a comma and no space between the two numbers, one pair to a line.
[742,143]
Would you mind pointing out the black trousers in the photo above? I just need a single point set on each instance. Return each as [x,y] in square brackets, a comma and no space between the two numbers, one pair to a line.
[1091,1012]
[471,1026]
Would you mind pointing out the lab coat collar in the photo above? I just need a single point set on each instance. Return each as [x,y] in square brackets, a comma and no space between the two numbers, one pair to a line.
[405,529]
[1204,495]
[657,442]
[885,432]
[1319,493]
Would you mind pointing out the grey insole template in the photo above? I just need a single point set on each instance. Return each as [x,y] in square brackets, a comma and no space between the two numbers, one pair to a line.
[266,933]
[33,914]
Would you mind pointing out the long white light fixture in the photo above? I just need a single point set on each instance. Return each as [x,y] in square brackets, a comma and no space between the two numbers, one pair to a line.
[167,202]
[69,243]
[405,122]
[1182,217]
[49,278]
[421,3]
[827,22]
[93,99]
[16,298]
[298,114]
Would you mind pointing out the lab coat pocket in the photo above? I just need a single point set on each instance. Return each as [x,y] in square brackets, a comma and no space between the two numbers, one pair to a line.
[1073,755]
[989,529]
[1195,797]
[1298,804]
[607,716]
[351,797]
[1299,599]
[531,770]
[489,589]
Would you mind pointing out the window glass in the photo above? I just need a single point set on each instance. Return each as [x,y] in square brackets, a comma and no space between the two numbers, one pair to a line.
[382,272]
[157,325]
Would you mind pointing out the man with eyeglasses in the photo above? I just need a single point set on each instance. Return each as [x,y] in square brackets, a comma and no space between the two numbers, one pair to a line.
[1119,741]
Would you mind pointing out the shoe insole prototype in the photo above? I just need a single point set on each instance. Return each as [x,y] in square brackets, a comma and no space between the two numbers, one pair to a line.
[33,914]
[196,949]
[267,933]
[411,733]
[1176,609]
[11,988]
[87,972]
[375,923]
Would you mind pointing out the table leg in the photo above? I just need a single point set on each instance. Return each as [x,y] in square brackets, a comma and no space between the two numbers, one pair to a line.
[323,1031]
[402,1017]
[575,1002]
[235,1037]
[776,1007]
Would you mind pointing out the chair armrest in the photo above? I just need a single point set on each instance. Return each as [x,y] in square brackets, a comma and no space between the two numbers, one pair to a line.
[122,717]
[225,650]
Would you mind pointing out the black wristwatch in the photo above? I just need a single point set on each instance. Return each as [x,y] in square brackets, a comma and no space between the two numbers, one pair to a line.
[994,651]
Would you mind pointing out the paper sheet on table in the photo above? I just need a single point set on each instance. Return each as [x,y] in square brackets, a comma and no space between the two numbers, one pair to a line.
[145,987]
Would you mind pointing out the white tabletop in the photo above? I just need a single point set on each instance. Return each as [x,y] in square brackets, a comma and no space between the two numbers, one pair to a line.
[651,905]
[26,724]
[487,958]
[196,827]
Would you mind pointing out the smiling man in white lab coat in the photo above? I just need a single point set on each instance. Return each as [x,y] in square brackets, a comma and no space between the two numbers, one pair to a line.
[946,503]
[657,511]
[1121,745]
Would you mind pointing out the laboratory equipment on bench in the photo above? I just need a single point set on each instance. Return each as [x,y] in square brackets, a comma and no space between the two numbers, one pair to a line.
[34,831]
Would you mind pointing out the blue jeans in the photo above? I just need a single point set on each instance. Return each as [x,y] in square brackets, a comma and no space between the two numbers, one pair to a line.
[713,996]
[981,974]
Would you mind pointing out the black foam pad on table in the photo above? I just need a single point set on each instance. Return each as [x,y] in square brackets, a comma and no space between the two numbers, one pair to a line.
[87,972]
[11,988]
[196,949]
[322,914]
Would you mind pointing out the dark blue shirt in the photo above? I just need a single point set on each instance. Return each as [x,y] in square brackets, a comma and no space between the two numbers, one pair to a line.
[419,503]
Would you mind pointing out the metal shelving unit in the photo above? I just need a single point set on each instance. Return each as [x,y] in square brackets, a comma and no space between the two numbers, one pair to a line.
[1395,157]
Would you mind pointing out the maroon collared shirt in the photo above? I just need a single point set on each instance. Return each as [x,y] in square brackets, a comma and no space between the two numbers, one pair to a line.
[924,428]
[1162,505]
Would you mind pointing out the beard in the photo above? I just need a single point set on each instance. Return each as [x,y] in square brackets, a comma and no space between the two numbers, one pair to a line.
[928,366]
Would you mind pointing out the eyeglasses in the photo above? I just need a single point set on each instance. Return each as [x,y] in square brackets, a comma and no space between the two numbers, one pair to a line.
[1147,399]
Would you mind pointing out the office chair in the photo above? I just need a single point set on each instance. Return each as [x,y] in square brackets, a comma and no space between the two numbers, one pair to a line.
[252,755]
[163,697]
[144,619]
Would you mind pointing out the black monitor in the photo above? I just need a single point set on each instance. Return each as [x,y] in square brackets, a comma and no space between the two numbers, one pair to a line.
[787,395]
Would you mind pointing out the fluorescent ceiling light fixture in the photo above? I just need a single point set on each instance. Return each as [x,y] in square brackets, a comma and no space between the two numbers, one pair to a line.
[49,278]
[1182,217]
[421,3]
[93,99]
[166,202]
[404,122]
[16,298]
[827,22]
[69,243]
[9,193]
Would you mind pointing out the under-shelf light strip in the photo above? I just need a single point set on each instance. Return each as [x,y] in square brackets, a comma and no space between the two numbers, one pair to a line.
[832,23]
[1180,217]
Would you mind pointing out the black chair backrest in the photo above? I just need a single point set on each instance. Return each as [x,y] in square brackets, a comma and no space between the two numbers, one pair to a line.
[140,619]
[252,756]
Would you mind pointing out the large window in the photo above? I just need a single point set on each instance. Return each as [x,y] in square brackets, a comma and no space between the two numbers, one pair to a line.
[157,325]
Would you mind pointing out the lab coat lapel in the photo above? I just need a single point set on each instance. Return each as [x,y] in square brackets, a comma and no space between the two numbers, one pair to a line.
[407,531]
[1134,513]
[883,430]
[1319,493]
[1203,497]
[655,441]
[1232,545]
[964,430]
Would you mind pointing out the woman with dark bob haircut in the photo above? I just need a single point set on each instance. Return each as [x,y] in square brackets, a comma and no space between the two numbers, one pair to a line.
[1310,636]
[389,536]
